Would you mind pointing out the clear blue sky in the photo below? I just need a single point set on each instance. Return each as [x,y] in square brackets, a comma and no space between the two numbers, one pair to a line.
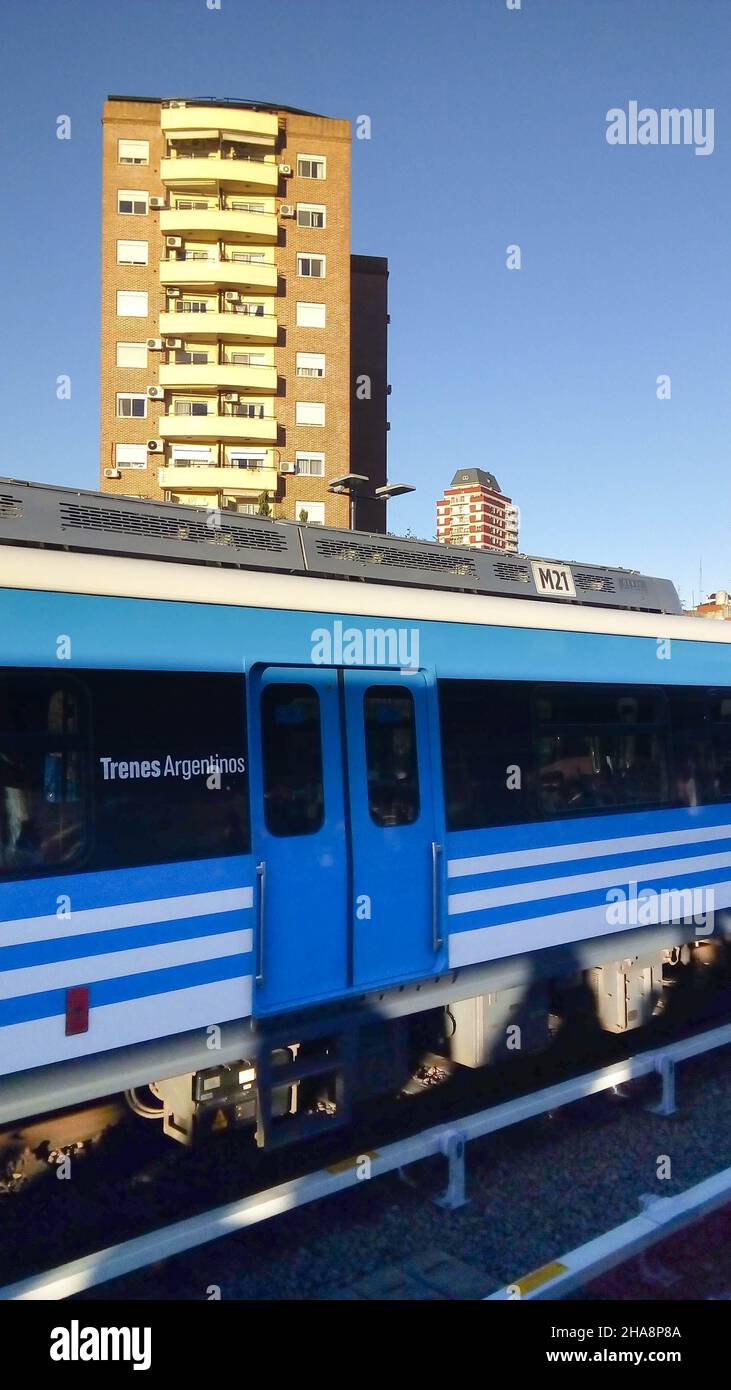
[488,128]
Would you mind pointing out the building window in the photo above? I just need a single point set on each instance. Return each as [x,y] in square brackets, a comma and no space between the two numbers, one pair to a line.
[190,408]
[249,359]
[132,253]
[309,413]
[131,406]
[312,267]
[311,215]
[132,201]
[247,458]
[130,455]
[133,151]
[191,455]
[132,304]
[310,315]
[309,464]
[310,364]
[311,166]
[194,204]
[313,513]
[185,357]
[192,306]
[131,354]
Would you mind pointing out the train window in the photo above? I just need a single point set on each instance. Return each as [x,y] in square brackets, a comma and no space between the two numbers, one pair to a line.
[720,735]
[44,760]
[693,761]
[391,757]
[170,766]
[486,754]
[600,748]
[294,799]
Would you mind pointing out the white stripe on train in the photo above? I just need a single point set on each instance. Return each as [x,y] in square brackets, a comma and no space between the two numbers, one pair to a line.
[540,933]
[511,894]
[114,965]
[52,926]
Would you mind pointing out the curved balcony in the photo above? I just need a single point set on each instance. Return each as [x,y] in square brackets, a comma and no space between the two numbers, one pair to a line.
[211,478]
[243,175]
[235,275]
[235,328]
[194,120]
[228,224]
[223,376]
[232,429]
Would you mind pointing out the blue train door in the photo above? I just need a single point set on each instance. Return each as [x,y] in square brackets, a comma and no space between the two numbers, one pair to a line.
[398,872]
[298,837]
[349,873]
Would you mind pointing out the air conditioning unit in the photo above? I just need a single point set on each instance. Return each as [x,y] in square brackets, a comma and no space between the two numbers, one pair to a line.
[155,446]
[172,241]
[232,296]
[176,105]
[173,294]
[285,168]
[156,393]
[173,342]
[154,344]
[112,472]
[230,396]
[158,203]
[286,210]
[286,468]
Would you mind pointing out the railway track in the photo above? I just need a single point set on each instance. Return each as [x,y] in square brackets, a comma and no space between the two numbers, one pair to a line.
[447,1141]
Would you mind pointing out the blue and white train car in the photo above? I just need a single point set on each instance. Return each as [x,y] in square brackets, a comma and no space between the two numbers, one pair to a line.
[270,793]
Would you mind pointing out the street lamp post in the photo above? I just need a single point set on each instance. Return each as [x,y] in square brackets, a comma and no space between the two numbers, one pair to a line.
[354,485]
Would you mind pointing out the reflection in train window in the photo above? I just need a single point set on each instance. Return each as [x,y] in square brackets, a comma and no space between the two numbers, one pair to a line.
[294,801]
[43,771]
[393,776]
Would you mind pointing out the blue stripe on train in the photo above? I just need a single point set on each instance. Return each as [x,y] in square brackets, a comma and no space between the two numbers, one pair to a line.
[121,939]
[536,835]
[117,887]
[52,1002]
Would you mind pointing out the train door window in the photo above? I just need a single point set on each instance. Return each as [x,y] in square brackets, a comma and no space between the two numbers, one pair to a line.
[294,799]
[44,764]
[391,756]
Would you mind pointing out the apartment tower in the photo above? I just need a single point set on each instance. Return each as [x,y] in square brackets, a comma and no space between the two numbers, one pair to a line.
[233,350]
[474,512]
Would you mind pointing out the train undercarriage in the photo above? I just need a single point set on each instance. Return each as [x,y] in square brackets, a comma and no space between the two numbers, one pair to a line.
[304,1076]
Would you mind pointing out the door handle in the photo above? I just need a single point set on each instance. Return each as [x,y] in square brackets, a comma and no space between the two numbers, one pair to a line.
[436,892]
[261,875]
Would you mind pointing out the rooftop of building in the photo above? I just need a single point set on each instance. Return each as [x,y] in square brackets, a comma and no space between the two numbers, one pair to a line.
[475,476]
[236,102]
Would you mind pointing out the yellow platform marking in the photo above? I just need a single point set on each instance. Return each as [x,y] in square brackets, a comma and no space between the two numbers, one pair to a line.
[532,1281]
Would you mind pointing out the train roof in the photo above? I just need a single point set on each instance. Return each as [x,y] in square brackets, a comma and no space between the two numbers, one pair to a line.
[59,518]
